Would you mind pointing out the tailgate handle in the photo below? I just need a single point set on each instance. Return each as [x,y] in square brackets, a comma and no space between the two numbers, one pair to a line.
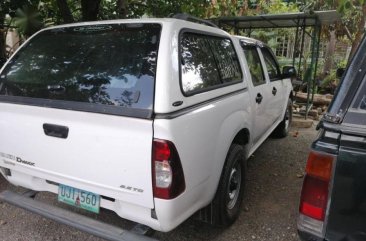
[56,130]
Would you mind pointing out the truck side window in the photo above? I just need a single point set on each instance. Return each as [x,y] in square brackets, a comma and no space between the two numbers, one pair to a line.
[255,65]
[226,58]
[363,103]
[272,66]
[360,99]
[356,114]
[207,62]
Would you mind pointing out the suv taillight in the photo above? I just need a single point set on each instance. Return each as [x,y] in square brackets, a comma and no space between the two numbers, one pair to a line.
[314,195]
[167,171]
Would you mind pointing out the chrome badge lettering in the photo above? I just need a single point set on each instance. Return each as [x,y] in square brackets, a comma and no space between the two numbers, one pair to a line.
[25,162]
[15,159]
[8,156]
[132,189]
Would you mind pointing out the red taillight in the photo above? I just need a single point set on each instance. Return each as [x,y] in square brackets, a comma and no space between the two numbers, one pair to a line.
[314,195]
[314,198]
[167,171]
[161,150]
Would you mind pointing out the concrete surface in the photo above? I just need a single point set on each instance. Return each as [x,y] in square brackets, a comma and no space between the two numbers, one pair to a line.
[300,122]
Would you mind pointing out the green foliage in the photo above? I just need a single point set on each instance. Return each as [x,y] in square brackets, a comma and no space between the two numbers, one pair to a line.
[266,36]
[342,64]
[50,10]
[352,12]
[249,7]
[10,7]
[107,9]
[278,6]
[29,20]
[329,83]
[164,8]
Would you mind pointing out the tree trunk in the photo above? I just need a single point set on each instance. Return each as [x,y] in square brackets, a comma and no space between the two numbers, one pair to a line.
[90,9]
[360,31]
[330,52]
[2,40]
[122,8]
[65,11]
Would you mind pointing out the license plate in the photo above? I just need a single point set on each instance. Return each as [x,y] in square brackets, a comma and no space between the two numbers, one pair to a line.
[79,198]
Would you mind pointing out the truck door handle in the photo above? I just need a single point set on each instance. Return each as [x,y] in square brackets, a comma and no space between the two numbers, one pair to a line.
[259,98]
[56,130]
[274,91]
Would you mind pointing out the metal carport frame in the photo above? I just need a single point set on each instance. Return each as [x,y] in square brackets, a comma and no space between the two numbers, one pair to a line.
[301,21]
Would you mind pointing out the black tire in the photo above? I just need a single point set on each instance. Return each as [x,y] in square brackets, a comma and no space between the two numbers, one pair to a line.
[229,195]
[283,128]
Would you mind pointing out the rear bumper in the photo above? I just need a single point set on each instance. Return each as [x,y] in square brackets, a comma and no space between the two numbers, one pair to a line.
[304,236]
[69,218]
[168,213]
[126,210]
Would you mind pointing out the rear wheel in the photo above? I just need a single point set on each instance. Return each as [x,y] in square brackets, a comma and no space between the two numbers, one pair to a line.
[283,128]
[229,195]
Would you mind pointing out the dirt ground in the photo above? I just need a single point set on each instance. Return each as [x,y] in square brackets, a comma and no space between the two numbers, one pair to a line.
[269,209]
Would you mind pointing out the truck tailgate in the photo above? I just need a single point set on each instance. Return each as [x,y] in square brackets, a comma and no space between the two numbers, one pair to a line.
[105,154]
[347,213]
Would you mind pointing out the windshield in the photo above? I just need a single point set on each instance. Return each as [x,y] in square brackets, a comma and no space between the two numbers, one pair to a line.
[112,64]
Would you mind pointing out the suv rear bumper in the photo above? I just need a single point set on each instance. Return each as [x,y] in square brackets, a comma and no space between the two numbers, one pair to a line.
[166,215]
[126,210]
[72,219]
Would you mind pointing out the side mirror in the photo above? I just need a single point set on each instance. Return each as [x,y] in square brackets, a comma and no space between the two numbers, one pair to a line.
[340,72]
[289,72]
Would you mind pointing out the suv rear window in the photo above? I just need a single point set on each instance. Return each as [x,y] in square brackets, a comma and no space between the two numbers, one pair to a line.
[110,65]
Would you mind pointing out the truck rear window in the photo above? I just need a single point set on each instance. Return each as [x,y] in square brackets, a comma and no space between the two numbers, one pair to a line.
[110,65]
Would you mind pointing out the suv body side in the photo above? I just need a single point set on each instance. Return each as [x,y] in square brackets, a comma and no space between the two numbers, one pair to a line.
[217,115]
[202,128]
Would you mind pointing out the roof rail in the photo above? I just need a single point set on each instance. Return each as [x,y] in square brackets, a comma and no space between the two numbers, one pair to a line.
[190,18]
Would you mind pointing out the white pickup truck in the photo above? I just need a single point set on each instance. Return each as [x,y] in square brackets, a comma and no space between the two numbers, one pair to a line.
[153,119]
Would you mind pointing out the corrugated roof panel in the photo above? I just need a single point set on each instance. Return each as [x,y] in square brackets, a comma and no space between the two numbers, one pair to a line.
[286,20]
